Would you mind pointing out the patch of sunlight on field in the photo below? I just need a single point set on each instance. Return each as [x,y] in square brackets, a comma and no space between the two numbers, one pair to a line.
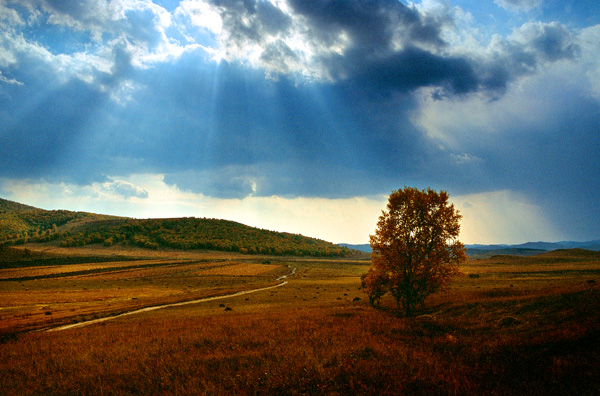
[239,269]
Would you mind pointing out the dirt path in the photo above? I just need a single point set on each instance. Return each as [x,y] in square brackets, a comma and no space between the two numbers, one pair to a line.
[147,309]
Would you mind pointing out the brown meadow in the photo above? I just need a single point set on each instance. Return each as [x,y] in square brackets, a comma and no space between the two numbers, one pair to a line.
[506,326]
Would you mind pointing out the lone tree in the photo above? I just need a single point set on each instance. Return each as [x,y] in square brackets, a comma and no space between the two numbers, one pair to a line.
[416,250]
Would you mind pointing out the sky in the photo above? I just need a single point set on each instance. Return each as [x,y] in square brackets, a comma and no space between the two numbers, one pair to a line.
[303,116]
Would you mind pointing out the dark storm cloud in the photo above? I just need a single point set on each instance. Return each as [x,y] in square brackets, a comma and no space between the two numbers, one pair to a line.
[381,36]
[413,68]
[342,35]
[250,19]
[388,46]
[372,25]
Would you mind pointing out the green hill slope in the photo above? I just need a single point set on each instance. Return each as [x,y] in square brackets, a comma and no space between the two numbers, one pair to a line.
[195,233]
[21,223]
[11,206]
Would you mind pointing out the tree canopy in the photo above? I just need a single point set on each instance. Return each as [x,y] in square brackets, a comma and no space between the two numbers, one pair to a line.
[416,250]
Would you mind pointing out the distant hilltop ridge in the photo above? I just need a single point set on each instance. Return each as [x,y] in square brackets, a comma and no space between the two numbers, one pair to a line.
[522,249]
[20,224]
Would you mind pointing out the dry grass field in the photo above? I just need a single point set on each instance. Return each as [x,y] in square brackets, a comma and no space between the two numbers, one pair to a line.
[506,326]
[41,296]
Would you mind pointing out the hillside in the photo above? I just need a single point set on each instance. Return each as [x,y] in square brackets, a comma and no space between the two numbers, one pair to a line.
[20,224]
[11,206]
[195,233]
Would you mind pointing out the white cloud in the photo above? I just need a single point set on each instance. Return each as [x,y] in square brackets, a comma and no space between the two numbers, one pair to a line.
[269,37]
[17,52]
[136,28]
[125,189]
[9,80]
[519,5]
[533,101]
[589,40]
[200,14]
[9,18]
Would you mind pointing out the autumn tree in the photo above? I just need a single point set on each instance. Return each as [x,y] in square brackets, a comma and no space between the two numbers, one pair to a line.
[416,250]
[375,283]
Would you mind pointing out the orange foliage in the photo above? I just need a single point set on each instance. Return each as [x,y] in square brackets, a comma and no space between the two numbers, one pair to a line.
[415,247]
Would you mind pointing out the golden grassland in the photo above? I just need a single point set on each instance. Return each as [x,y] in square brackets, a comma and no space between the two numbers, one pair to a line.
[506,326]
[239,269]
[33,298]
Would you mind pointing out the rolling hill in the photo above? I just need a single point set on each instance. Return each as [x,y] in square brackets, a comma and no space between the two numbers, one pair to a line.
[22,224]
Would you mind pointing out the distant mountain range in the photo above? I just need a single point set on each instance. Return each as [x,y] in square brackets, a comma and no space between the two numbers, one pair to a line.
[524,249]
[546,246]
[363,248]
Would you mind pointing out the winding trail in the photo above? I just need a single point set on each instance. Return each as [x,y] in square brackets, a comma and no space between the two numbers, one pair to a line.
[147,309]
